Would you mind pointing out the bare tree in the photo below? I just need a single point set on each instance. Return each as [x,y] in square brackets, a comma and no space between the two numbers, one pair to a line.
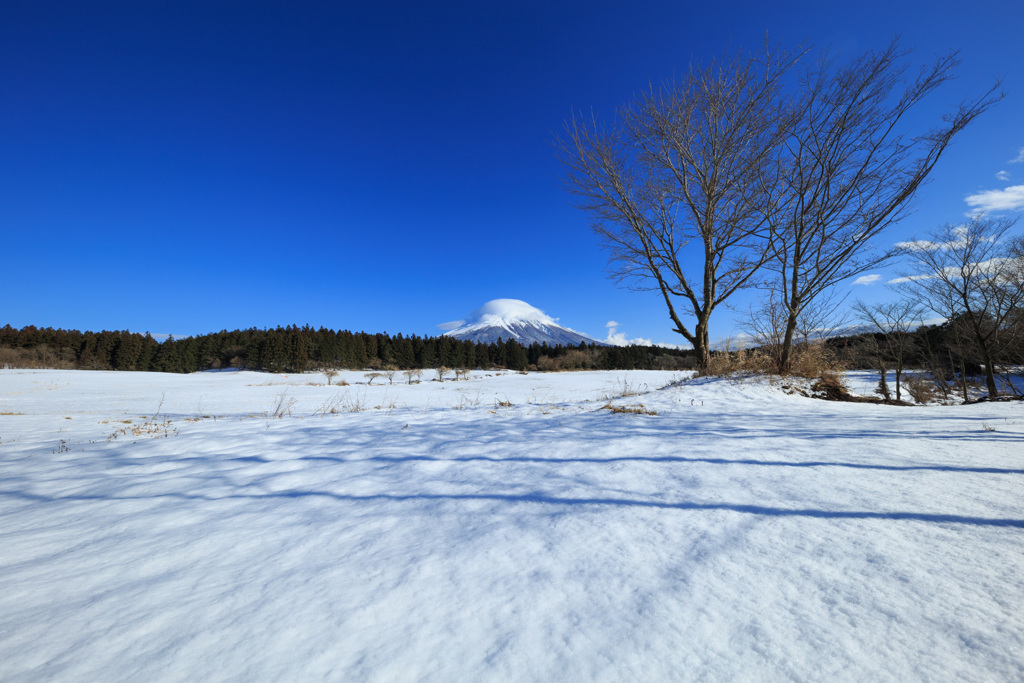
[676,189]
[1015,319]
[973,277]
[851,169]
[767,320]
[896,320]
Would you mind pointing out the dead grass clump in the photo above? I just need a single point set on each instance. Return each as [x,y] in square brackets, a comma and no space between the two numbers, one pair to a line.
[150,428]
[830,387]
[814,360]
[921,387]
[739,362]
[282,406]
[331,406]
[624,388]
[638,409]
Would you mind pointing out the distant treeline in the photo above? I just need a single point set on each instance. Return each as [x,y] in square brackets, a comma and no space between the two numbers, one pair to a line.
[929,347]
[300,349]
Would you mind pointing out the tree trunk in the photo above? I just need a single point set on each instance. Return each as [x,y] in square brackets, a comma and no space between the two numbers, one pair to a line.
[986,358]
[786,354]
[963,380]
[883,384]
[990,375]
[701,345]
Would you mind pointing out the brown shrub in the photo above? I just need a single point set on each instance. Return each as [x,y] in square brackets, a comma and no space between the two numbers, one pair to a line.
[741,361]
[814,360]
[830,387]
[921,387]
[547,364]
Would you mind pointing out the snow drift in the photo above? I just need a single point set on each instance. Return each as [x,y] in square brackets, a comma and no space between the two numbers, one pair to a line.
[509,527]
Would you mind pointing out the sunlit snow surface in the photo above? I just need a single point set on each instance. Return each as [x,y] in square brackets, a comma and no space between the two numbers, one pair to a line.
[740,534]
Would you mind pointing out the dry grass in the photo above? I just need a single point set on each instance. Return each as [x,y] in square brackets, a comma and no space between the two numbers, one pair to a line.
[921,387]
[150,429]
[830,387]
[282,406]
[624,388]
[810,361]
[638,409]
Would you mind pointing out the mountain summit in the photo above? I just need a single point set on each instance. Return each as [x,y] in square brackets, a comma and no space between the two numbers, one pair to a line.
[514,319]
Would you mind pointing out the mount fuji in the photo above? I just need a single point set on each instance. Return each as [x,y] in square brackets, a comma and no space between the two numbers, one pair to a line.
[514,319]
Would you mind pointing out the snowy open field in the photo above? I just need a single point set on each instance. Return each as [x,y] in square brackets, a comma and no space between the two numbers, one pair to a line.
[502,528]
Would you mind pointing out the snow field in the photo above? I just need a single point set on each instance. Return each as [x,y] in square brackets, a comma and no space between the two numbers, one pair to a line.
[741,533]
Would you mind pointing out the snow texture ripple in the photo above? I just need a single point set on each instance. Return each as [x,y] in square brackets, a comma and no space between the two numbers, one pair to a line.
[509,527]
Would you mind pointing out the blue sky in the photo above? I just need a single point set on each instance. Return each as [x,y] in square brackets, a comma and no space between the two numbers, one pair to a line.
[187,167]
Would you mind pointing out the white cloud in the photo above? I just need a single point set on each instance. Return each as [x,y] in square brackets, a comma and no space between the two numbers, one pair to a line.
[452,325]
[867,279]
[616,338]
[1020,157]
[919,245]
[1009,199]
[996,267]
[910,278]
[960,241]
[1003,175]
[619,339]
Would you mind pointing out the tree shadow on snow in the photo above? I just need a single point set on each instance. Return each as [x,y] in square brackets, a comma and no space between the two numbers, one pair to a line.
[541,499]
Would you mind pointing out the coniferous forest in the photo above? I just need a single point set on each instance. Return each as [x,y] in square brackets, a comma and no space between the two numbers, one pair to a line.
[301,349]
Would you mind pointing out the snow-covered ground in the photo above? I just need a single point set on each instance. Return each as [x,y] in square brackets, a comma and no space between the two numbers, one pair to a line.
[501,528]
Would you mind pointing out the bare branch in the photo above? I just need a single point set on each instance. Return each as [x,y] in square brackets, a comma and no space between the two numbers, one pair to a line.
[852,169]
[682,179]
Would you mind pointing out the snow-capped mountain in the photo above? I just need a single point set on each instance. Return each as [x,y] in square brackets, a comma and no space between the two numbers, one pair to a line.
[514,319]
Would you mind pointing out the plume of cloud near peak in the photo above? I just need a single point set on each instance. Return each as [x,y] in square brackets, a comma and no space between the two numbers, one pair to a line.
[616,338]
[1008,199]
[1003,175]
[869,279]
[1020,157]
